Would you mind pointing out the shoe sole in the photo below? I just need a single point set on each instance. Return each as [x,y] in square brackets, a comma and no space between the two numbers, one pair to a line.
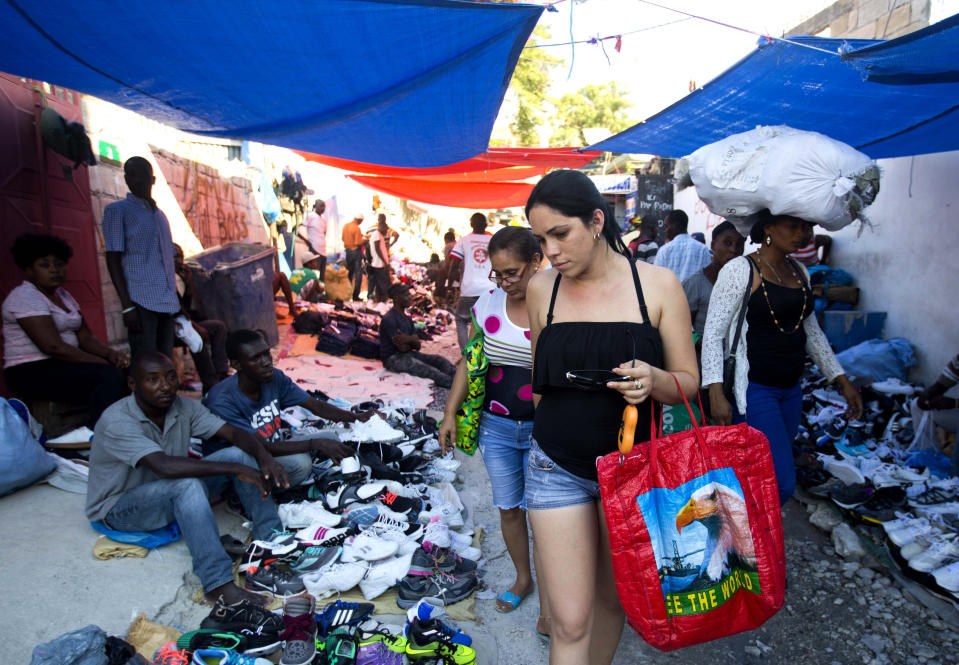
[407,603]
[263,589]
[300,662]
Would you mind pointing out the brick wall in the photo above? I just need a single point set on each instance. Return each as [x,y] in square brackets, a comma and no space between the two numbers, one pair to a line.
[867,19]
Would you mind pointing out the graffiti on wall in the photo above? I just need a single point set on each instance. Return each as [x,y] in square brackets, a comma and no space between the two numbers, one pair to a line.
[219,210]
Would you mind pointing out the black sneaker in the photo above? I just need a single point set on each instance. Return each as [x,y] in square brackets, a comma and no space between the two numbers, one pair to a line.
[882,507]
[430,558]
[210,638]
[260,627]
[850,496]
[273,579]
[342,613]
[431,639]
[438,589]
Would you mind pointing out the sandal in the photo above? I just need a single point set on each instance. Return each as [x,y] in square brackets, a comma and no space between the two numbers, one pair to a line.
[543,636]
[511,599]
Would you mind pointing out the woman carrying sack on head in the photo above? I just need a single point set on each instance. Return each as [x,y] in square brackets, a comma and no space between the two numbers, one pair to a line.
[507,415]
[607,331]
[778,330]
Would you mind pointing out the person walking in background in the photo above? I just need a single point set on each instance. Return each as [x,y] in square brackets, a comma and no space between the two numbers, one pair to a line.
[353,242]
[380,259]
[400,345]
[507,419]
[139,255]
[808,254]
[726,245]
[316,234]
[597,309]
[780,328]
[49,352]
[645,246]
[471,254]
[681,254]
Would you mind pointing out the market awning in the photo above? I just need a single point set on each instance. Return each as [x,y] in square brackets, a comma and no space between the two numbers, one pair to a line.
[791,84]
[405,83]
[492,159]
[482,195]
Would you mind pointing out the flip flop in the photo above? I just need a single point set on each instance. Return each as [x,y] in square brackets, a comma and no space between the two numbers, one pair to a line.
[510,599]
[544,637]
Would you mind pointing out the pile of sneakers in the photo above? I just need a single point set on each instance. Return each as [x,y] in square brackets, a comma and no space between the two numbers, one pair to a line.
[869,470]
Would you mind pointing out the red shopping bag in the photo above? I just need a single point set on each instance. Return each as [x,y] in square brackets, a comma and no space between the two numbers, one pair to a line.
[696,533]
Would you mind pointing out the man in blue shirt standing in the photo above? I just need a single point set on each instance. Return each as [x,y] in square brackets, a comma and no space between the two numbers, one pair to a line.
[253,398]
[139,254]
[682,253]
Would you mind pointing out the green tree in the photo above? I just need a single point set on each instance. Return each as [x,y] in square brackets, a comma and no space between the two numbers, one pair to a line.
[531,82]
[593,106]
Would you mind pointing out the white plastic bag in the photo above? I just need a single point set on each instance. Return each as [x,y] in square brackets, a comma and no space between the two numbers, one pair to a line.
[789,171]
[925,438]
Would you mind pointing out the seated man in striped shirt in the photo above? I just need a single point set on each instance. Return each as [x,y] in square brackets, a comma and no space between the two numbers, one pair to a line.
[400,345]
[808,254]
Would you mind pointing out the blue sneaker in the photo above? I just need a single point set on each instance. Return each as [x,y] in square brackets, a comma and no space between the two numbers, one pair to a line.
[315,557]
[341,613]
[424,612]
[224,657]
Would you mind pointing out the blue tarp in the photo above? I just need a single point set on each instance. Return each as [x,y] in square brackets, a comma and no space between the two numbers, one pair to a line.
[787,84]
[403,83]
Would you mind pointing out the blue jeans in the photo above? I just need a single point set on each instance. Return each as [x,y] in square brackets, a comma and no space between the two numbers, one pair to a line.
[548,485]
[186,500]
[504,444]
[776,412]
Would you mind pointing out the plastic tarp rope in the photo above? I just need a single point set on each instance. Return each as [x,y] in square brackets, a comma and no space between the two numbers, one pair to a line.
[404,83]
[782,83]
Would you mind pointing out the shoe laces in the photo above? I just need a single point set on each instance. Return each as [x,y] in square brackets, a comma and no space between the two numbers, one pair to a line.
[389,498]
[169,654]
[298,628]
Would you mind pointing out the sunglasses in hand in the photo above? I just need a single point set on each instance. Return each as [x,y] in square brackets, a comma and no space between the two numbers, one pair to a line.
[591,379]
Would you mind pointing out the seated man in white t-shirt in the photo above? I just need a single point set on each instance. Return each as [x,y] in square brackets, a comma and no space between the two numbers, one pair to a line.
[472,252]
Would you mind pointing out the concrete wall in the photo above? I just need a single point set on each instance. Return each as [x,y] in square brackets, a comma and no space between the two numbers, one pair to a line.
[867,19]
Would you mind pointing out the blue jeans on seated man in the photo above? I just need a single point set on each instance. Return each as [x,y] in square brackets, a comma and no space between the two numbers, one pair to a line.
[187,500]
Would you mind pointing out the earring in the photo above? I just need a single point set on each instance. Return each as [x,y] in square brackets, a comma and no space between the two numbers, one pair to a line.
[769,241]
[595,236]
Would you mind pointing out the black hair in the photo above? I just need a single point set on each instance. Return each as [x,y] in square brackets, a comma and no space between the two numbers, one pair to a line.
[239,338]
[397,289]
[478,222]
[678,219]
[381,218]
[145,358]
[757,232]
[450,236]
[434,258]
[518,240]
[573,194]
[136,162]
[29,247]
[722,228]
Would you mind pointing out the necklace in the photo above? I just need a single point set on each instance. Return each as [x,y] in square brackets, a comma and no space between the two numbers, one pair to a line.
[802,287]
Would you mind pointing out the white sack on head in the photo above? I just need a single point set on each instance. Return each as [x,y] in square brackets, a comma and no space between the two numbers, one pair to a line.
[789,171]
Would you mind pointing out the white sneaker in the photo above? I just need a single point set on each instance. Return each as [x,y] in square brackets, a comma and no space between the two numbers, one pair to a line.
[460,539]
[447,463]
[891,475]
[405,544]
[187,333]
[306,433]
[431,445]
[335,578]
[902,520]
[302,515]
[468,552]
[446,512]
[438,533]
[911,550]
[948,577]
[909,533]
[941,553]
[322,535]
[368,548]
[383,575]
[435,474]
[844,470]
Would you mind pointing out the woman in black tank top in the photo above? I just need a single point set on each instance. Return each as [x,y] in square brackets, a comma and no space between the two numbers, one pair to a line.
[597,310]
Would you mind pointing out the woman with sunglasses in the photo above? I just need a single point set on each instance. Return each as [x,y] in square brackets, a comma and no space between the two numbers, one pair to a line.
[507,419]
[599,313]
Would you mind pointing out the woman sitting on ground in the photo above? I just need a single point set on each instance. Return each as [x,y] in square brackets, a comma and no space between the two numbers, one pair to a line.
[598,309]
[49,352]
[507,419]
[780,328]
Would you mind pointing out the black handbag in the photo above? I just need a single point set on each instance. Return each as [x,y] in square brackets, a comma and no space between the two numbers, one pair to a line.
[729,363]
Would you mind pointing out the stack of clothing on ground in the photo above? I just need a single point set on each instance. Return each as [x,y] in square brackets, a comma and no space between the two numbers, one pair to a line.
[879,473]
[385,520]
[339,633]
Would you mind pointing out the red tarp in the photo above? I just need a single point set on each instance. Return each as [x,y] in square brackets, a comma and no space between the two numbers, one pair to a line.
[453,194]
[494,158]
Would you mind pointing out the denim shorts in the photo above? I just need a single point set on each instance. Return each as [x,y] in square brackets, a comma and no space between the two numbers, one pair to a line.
[504,444]
[548,485]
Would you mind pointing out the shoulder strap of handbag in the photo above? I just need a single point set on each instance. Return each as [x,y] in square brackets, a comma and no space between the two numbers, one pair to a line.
[742,310]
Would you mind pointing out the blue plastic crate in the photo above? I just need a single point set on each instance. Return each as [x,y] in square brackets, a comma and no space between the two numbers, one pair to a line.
[846,329]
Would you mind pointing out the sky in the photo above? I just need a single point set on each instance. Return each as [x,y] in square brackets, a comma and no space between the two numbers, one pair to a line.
[656,65]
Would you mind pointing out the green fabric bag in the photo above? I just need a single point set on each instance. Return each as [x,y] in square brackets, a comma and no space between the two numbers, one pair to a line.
[468,415]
